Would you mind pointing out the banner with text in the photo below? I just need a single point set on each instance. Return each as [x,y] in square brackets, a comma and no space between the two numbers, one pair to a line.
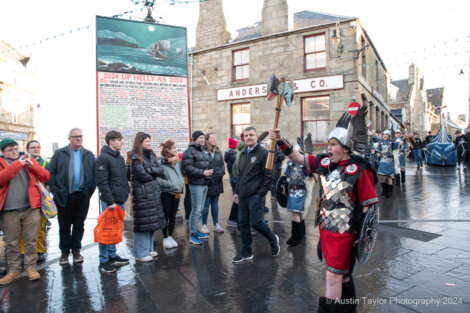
[157,105]
[142,82]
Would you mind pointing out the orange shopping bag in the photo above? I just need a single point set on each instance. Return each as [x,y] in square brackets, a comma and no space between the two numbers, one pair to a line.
[109,228]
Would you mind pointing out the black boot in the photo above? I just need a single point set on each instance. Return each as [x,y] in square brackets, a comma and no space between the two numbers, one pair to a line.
[302,222]
[389,191]
[384,190]
[326,305]
[296,237]
[403,177]
[348,295]
[397,179]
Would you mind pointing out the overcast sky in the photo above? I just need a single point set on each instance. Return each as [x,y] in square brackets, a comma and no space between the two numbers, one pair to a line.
[432,34]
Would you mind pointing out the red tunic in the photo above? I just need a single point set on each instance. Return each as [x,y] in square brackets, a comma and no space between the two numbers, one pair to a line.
[337,248]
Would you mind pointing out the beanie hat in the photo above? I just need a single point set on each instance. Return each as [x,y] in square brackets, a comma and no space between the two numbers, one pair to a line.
[197,134]
[7,141]
[232,143]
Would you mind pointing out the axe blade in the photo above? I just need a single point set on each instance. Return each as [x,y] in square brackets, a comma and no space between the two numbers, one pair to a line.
[288,93]
[273,86]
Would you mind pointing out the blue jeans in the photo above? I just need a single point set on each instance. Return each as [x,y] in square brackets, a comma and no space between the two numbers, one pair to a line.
[107,251]
[198,198]
[418,157]
[251,208]
[143,244]
[213,202]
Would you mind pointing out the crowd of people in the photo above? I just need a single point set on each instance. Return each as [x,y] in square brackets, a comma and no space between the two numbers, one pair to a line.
[155,182]
[347,186]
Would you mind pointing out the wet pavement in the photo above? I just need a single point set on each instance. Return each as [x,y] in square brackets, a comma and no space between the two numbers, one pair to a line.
[421,263]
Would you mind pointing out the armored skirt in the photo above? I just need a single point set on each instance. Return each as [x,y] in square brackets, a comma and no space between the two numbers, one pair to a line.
[346,187]
[386,163]
[297,190]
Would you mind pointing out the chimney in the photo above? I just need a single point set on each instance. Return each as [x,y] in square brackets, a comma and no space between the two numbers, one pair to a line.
[275,17]
[211,28]
[413,75]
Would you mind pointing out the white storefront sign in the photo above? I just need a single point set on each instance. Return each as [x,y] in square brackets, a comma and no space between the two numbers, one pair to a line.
[302,85]
[242,92]
[319,83]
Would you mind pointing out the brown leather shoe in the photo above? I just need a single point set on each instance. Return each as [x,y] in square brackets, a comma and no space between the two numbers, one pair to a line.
[8,278]
[77,257]
[64,259]
[33,275]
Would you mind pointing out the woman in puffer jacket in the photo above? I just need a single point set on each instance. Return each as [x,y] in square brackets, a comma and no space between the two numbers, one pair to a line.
[148,215]
[171,185]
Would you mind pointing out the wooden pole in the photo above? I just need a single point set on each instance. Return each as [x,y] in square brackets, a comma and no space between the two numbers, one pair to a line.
[272,144]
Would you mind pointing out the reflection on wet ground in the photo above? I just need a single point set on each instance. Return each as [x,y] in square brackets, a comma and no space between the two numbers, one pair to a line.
[422,254]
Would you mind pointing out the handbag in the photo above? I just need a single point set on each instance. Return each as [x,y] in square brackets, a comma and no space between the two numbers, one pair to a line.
[48,207]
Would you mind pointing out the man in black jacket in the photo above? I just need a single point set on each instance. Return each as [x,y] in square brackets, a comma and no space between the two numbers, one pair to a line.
[196,165]
[254,181]
[72,184]
[111,180]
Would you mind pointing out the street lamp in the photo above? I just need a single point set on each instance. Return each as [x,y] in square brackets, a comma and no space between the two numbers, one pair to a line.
[337,39]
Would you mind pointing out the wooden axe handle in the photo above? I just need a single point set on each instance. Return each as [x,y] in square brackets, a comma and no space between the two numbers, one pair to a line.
[272,144]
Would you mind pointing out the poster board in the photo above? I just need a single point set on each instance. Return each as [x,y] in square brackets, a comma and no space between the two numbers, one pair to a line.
[142,83]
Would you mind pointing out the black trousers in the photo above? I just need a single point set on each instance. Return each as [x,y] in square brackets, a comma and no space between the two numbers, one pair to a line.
[461,156]
[234,210]
[170,208]
[187,202]
[72,221]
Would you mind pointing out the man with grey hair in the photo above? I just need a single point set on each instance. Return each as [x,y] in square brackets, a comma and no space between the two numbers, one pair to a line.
[72,184]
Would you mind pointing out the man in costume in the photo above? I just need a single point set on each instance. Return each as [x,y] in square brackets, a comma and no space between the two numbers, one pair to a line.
[347,192]
[386,168]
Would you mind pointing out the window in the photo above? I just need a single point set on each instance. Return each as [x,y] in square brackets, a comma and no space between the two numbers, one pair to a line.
[377,119]
[315,52]
[377,75]
[382,122]
[371,113]
[240,118]
[363,56]
[241,64]
[316,118]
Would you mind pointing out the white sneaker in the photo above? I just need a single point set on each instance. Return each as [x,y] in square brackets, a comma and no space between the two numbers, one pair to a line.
[204,229]
[148,258]
[218,228]
[166,243]
[153,254]
[173,242]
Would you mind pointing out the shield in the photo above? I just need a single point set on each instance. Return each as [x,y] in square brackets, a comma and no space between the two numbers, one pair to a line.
[368,235]
[282,191]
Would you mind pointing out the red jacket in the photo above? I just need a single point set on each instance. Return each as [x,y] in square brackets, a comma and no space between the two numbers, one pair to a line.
[36,171]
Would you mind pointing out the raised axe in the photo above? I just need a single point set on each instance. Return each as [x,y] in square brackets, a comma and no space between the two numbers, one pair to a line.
[280,90]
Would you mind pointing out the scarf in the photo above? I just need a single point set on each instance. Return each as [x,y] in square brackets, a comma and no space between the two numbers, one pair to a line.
[72,186]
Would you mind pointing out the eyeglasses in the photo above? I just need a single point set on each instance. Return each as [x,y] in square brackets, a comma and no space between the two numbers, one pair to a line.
[12,150]
[76,137]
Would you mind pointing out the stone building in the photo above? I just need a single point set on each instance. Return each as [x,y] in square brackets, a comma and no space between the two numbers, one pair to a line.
[17,101]
[421,107]
[330,58]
